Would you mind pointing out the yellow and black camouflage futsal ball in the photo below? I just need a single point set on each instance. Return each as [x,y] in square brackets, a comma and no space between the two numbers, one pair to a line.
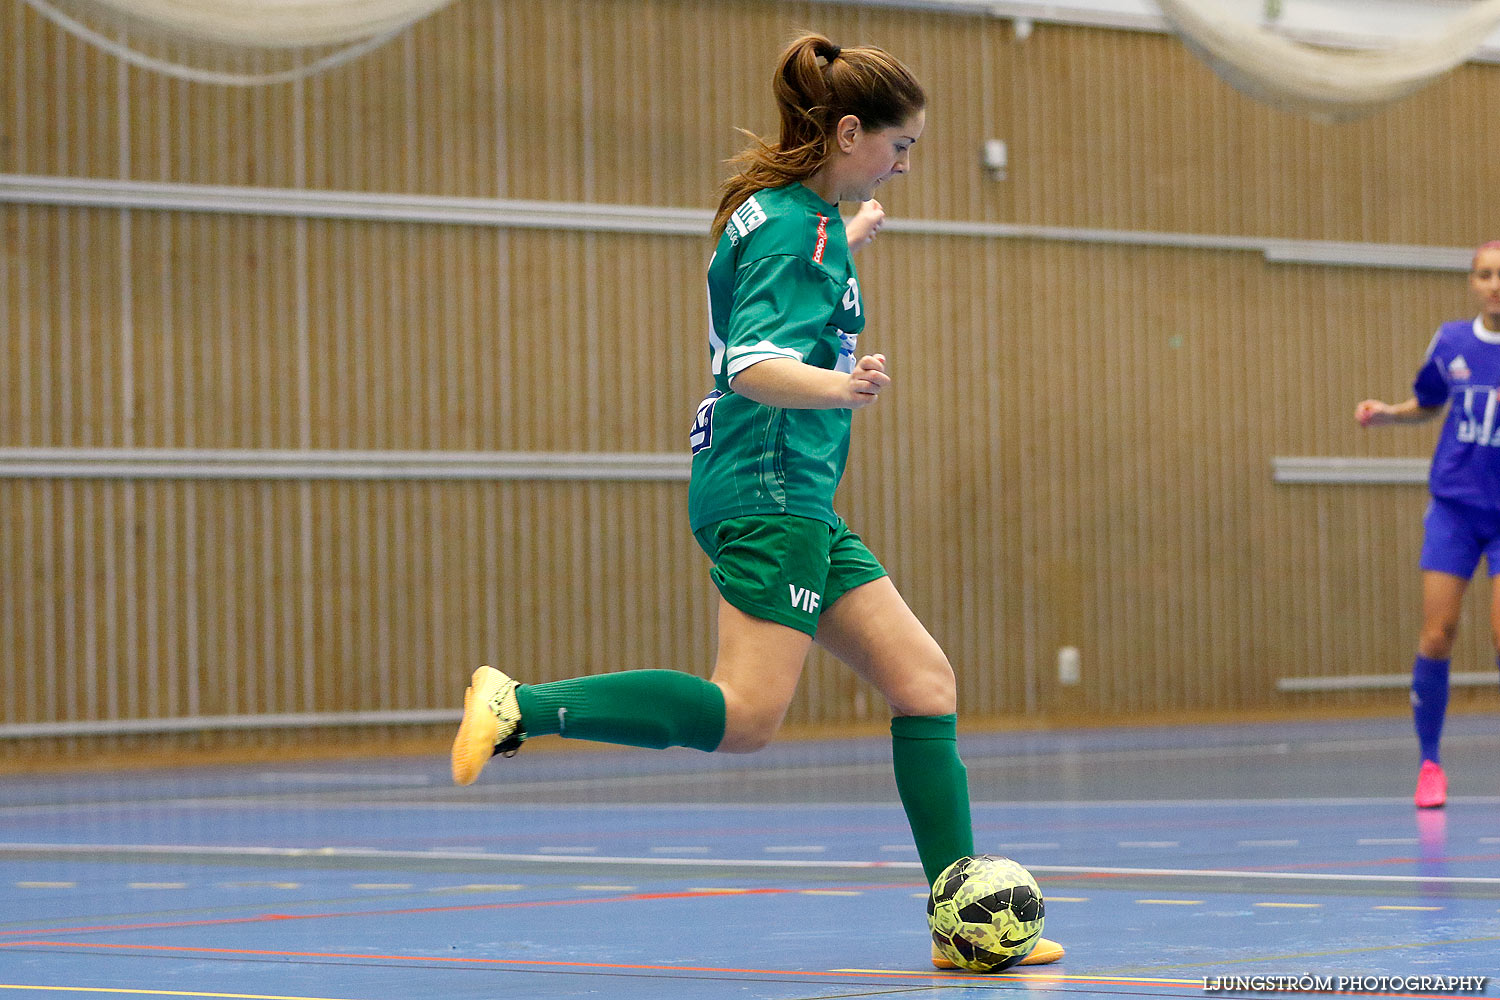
[985,913]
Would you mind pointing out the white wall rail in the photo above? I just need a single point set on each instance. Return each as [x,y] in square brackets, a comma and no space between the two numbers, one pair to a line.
[268,464]
[222,723]
[1377,682]
[1350,471]
[29,189]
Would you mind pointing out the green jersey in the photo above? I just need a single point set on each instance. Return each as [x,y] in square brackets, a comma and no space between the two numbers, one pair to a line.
[781,284]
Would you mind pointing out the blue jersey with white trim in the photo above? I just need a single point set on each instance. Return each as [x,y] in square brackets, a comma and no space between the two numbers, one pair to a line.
[781,284]
[1462,369]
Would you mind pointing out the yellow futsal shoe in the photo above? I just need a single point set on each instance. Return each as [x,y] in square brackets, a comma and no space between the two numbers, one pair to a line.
[1045,953]
[491,724]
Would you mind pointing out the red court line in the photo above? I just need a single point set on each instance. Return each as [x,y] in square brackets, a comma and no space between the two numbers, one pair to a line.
[522,904]
[946,977]
[267,917]
[622,967]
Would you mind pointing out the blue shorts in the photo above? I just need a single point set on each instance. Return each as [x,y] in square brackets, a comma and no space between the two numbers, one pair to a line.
[1457,535]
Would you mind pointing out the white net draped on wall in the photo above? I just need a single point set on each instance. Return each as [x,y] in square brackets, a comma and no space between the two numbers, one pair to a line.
[237,42]
[1322,83]
[271,41]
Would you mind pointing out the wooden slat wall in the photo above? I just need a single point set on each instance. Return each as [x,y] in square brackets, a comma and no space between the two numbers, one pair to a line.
[1077,450]
[636,101]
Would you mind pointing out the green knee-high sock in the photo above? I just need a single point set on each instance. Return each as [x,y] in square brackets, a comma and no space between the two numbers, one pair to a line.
[934,788]
[636,708]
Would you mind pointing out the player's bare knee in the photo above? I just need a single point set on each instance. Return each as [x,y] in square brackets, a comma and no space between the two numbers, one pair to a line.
[930,690]
[750,722]
[1436,640]
[756,739]
[748,734]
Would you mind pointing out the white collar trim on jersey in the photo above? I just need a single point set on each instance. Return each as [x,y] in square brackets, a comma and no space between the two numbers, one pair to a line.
[1483,333]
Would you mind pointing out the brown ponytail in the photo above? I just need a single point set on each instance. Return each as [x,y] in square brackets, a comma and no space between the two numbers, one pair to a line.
[816,84]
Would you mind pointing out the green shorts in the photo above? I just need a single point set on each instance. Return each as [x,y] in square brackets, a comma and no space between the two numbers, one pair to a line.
[785,568]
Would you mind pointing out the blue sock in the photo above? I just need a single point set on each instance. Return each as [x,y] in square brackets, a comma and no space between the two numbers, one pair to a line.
[1429,703]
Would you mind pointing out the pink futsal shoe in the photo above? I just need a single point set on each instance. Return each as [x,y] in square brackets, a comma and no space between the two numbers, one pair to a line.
[1045,952]
[1432,786]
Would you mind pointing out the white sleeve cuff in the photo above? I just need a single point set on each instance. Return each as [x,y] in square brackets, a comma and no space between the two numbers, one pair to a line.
[740,358]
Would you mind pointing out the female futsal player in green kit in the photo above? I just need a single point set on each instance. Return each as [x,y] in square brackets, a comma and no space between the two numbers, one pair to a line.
[769,447]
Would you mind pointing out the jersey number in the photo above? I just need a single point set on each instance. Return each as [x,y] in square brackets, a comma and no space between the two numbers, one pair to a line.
[851,296]
[1476,428]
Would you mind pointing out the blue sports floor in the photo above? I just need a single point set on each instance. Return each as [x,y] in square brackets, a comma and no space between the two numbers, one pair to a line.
[1167,856]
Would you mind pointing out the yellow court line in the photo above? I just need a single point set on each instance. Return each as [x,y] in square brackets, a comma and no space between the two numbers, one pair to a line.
[161,993]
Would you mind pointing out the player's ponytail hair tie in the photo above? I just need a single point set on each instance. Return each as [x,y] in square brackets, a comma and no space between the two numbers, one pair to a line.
[828,55]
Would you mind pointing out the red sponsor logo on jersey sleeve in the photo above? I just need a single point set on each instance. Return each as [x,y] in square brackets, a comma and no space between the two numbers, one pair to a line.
[822,239]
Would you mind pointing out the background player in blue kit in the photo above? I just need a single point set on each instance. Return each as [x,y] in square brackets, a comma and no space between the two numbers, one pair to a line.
[769,445]
[1461,372]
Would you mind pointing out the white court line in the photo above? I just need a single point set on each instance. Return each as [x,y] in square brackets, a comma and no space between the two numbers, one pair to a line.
[1386,841]
[556,859]
[1285,876]
[1040,846]
[1048,805]
[780,774]
[313,778]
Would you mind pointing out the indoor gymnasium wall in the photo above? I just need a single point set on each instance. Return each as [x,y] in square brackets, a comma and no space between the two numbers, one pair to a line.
[1077,449]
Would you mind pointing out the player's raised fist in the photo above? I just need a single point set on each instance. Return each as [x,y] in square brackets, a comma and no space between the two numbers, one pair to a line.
[867,379]
[1372,413]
